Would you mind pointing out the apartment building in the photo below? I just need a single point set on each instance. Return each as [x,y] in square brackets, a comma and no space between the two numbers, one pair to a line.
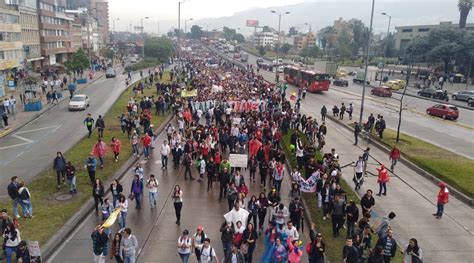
[303,41]
[98,10]
[264,39]
[11,47]
[30,35]
[55,32]
[405,34]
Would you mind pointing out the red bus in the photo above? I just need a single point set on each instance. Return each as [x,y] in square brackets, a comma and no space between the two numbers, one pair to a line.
[291,74]
[315,81]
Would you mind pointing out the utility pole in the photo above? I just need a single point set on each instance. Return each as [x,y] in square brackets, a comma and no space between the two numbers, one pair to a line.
[385,47]
[367,54]
[279,31]
[307,44]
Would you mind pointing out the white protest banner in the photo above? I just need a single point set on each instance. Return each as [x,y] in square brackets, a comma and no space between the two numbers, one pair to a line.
[35,253]
[309,186]
[236,121]
[238,160]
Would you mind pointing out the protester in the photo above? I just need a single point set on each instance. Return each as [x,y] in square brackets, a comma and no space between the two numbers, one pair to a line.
[100,150]
[208,254]
[443,199]
[177,202]
[389,245]
[59,165]
[99,244]
[152,185]
[413,253]
[98,194]
[24,197]
[234,256]
[71,177]
[184,246]
[136,191]
[12,239]
[123,205]
[91,166]
[128,246]
[394,157]
[13,193]
[116,145]
[115,248]
[382,179]
[116,190]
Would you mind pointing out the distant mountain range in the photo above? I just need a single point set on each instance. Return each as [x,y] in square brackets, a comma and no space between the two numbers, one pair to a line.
[323,13]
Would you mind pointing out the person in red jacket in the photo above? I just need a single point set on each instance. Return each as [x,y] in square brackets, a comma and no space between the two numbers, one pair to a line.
[383,179]
[443,198]
[146,141]
[394,156]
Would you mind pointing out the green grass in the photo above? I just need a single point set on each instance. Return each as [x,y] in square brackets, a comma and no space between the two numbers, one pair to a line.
[334,246]
[147,62]
[450,167]
[50,215]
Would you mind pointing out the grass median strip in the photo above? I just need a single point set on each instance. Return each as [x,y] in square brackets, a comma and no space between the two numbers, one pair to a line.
[334,246]
[450,167]
[50,214]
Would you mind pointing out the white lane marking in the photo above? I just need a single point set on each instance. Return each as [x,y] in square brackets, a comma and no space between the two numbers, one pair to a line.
[39,129]
[26,140]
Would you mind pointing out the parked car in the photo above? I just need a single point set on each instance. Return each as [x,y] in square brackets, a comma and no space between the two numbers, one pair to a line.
[110,73]
[382,91]
[340,82]
[444,111]
[401,83]
[431,92]
[352,73]
[79,102]
[393,84]
[464,95]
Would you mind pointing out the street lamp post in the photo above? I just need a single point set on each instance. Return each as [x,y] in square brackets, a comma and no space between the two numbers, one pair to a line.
[367,53]
[279,31]
[143,37]
[385,46]
[113,29]
[307,43]
[186,25]
[179,25]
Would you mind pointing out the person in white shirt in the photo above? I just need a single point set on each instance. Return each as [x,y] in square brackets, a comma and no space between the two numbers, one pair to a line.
[152,185]
[291,231]
[6,105]
[12,104]
[208,252]
[184,246]
[165,152]
[280,213]
[359,171]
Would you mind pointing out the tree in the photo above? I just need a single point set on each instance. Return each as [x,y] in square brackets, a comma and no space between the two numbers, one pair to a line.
[228,33]
[465,7]
[343,44]
[78,63]
[159,47]
[285,48]
[314,52]
[293,31]
[261,51]
[239,38]
[196,32]
[325,35]
[360,33]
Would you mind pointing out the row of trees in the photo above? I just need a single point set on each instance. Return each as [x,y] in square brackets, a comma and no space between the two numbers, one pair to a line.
[229,34]
[159,47]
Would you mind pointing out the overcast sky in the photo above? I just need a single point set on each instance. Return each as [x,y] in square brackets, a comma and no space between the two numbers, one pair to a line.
[166,10]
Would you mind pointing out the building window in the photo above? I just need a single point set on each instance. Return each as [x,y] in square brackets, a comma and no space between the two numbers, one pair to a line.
[423,29]
[407,30]
[9,19]
[10,36]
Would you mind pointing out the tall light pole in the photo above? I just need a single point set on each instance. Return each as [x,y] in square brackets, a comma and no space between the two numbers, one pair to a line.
[143,36]
[385,47]
[279,31]
[367,53]
[179,24]
[113,29]
[186,25]
[307,43]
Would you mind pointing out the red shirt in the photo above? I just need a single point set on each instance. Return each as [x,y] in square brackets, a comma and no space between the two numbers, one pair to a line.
[395,154]
[146,140]
[443,195]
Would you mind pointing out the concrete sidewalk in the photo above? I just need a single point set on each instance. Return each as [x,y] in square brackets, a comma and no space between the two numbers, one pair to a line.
[412,197]
[155,229]
[21,117]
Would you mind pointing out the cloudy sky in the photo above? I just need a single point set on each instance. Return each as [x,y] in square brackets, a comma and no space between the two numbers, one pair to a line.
[163,13]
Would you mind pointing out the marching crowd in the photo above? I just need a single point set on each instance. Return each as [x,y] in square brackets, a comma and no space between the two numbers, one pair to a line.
[235,111]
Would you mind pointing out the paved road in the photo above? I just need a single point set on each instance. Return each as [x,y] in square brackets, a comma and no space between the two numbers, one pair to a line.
[155,229]
[450,135]
[36,144]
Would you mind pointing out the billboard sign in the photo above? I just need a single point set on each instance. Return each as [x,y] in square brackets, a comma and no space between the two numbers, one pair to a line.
[252,23]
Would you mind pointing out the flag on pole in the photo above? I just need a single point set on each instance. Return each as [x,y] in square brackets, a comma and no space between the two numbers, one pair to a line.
[112,218]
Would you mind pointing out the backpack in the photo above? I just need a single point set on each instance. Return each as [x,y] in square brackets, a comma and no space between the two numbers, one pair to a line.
[24,195]
[210,252]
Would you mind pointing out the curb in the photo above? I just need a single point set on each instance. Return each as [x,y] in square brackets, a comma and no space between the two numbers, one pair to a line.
[37,115]
[434,100]
[456,193]
[71,225]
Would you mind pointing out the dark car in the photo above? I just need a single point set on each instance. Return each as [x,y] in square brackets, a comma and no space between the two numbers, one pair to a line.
[444,111]
[382,91]
[340,82]
[434,93]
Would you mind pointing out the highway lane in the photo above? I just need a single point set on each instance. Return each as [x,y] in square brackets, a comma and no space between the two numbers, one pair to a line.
[31,149]
[415,122]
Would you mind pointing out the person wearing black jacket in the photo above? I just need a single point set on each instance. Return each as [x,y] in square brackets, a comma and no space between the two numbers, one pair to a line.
[211,171]
[224,180]
[116,189]
[98,194]
[389,245]
[352,216]
[318,247]
[227,236]
[13,193]
[367,202]
[100,125]
[252,207]
[263,167]
[59,165]
[249,237]
[234,251]
[296,208]
[337,214]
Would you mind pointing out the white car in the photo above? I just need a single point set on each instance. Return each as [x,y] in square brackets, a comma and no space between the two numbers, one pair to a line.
[79,102]
[281,69]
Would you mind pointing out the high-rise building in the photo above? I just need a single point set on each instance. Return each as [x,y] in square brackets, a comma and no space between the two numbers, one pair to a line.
[55,32]
[11,47]
[97,9]
[29,32]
